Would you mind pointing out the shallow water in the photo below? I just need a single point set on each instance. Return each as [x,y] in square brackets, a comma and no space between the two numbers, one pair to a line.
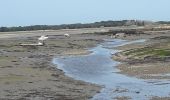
[99,68]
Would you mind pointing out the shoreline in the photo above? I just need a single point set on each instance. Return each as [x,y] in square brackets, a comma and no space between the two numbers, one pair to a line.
[28,73]
[148,61]
[136,63]
[32,73]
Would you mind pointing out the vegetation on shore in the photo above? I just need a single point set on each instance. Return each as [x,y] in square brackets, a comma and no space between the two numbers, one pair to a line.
[149,60]
[157,50]
[76,26]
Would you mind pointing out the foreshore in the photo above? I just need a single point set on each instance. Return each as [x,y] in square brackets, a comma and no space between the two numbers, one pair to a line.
[146,60]
[27,72]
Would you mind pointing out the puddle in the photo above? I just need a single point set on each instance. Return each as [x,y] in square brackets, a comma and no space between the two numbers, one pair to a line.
[99,68]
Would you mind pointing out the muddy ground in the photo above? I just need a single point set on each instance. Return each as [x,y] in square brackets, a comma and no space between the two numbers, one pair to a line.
[148,60]
[28,73]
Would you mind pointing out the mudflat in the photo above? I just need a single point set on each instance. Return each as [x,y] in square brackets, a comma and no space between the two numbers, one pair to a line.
[147,60]
[27,72]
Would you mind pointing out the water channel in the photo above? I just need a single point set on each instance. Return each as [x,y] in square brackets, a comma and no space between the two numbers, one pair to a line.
[99,68]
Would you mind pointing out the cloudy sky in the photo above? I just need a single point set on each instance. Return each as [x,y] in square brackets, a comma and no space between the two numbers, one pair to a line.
[53,12]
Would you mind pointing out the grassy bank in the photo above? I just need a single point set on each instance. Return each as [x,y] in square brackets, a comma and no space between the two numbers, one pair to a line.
[159,49]
[149,60]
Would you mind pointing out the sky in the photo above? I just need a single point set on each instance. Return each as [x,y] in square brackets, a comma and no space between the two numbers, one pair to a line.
[55,12]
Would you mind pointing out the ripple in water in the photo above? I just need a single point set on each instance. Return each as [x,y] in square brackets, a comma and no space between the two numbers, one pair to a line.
[99,68]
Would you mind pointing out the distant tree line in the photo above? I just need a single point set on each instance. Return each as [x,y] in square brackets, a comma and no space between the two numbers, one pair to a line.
[74,26]
[163,22]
